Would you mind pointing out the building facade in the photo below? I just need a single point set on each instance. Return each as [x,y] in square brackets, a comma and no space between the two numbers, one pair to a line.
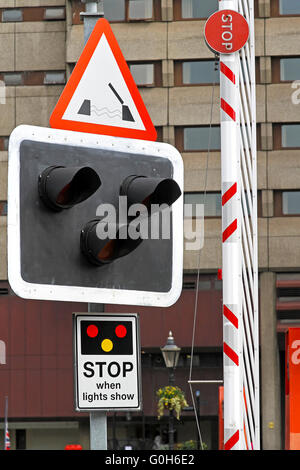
[177,75]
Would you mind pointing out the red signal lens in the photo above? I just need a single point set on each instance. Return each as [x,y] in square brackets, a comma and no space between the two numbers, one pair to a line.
[107,251]
[92,331]
[121,331]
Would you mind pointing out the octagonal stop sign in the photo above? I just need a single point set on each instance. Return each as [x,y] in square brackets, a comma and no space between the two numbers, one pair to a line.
[226,31]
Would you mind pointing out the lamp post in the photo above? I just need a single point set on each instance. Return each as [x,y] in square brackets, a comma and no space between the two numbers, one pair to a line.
[170,354]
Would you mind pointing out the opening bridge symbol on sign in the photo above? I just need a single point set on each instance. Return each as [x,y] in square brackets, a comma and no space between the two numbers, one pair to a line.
[123,113]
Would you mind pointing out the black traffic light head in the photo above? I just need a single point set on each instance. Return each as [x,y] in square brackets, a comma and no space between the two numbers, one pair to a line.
[69,236]
[150,191]
[61,188]
[140,190]
[100,251]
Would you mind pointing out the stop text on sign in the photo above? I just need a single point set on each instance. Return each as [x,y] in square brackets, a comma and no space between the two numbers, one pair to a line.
[113,369]
[226,31]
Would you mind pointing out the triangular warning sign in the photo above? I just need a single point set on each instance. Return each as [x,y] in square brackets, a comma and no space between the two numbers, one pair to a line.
[101,96]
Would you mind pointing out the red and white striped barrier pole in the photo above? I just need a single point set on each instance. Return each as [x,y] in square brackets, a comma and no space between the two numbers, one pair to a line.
[231,243]
[227,32]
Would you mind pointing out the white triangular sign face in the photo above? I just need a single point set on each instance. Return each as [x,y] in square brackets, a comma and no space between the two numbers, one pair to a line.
[101,96]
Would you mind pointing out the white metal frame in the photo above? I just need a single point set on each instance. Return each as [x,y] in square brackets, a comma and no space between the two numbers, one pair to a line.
[239,226]
[89,294]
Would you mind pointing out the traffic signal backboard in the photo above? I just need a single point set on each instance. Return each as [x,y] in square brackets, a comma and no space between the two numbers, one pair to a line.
[93,218]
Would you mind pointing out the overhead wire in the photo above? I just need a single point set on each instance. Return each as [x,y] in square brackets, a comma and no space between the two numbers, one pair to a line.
[200,252]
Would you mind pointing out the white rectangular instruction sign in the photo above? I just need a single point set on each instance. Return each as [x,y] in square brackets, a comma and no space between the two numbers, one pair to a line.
[107,362]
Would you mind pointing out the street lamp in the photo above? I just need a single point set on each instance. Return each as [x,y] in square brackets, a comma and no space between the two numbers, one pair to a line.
[170,354]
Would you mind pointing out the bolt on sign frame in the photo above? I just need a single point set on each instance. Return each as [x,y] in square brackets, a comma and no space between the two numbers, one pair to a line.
[239,240]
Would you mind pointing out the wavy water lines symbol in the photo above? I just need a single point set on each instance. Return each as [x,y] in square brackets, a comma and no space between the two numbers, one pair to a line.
[106,112]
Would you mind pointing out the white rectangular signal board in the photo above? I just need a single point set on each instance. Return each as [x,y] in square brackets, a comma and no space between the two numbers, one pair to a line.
[107,362]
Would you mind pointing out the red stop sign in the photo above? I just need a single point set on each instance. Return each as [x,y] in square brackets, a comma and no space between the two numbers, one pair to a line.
[226,31]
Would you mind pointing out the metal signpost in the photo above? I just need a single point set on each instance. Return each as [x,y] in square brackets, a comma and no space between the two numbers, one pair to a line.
[98,421]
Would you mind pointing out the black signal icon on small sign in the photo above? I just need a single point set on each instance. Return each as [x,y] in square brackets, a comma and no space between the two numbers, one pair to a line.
[106,337]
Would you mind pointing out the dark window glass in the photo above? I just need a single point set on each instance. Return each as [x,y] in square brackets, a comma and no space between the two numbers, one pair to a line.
[140,9]
[3,208]
[55,13]
[13,79]
[201,138]
[20,439]
[290,68]
[291,202]
[290,135]
[211,202]
[202,71]
[198,8]
[143,74]
[12,15]
[289,7]
[114,10]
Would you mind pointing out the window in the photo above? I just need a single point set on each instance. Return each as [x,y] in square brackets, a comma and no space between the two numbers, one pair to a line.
[285,69]
[54,13]
[189,9]
[54,78]
[198,138]
[13,79]
[196,72]
[21,439]
[290,69]
[33,14]
[285,7]
[289,7]
[12,15]
[114,10]
[4,143]
[143,74]
[140,9]
[290,202]
[286,136]
[199,72]
[198,8]
[122,10]
[147,73]
[290,136]
[211,201]
[3,208]
[33,78]
[287,203]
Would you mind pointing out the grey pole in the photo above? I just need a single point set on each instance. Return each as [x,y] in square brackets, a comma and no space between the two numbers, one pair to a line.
[93,11]
[5,421]
[98,419]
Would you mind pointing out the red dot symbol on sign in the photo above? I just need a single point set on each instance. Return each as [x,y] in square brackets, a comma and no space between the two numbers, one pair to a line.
[226,31]
[121,331]
[92,331]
